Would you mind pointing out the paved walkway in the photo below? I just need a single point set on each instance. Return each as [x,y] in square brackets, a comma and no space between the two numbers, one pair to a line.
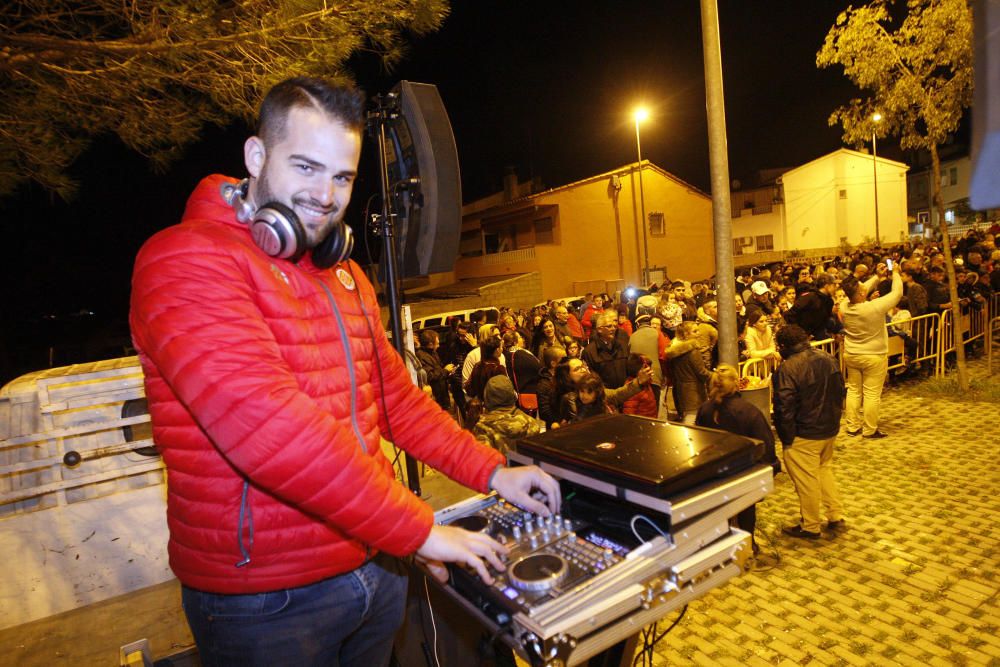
[915,579]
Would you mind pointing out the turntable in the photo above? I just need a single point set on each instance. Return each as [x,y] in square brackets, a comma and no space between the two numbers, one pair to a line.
[622,554]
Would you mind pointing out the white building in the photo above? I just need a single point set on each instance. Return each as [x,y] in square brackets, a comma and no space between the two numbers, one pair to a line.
[819,207]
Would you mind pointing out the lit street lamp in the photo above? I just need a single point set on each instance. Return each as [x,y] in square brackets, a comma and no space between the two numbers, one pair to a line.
[640,115]
[876,117]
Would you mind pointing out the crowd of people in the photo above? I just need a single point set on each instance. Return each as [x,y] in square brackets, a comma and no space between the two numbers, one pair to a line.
[561,364]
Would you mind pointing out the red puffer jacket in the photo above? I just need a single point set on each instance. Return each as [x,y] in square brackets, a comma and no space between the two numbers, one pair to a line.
[266,387]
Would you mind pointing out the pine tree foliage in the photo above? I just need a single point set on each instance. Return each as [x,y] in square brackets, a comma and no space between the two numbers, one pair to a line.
[156,72]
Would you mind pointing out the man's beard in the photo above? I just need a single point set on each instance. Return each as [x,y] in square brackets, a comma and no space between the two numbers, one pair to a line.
[314,234]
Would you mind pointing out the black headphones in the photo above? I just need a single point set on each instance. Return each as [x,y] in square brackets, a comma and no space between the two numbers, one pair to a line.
[277,231]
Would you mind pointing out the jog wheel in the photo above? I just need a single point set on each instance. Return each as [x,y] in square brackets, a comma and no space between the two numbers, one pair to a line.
[473,523]
[538,572]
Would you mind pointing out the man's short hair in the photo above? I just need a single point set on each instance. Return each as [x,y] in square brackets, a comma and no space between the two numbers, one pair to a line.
[824,280]
[342,102]
[676,284]
[427,337]
[936,269]
[790,336]
[850,285]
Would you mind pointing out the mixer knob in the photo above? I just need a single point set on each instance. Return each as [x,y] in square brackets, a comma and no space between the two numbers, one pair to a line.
[517,532]
[534,542]
[529,525]
[568,524]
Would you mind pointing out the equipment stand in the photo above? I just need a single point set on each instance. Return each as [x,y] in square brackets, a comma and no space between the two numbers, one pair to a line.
[386,109]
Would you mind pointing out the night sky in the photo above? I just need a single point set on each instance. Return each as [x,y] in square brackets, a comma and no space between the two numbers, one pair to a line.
[544,87]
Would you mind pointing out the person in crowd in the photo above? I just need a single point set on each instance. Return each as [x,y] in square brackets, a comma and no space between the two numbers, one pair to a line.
[866,349]
[567,325]
[915,298]
[761,299]
[487,333]
[589,319]
[808,392]
[938,294]
[813,308]
[488,366]
[646,402]
[760,337]
[787,296]
[706,337]
[589,397]
[282,509]
[567,373]
[670,311]
[522,366]
[684,301]
[547,338]
[725,409]
[647,341]
[687,369]
[709,313]
[623,320]
[462,342]
[573,347]
[805,277]
[437,374]
[588,301]
[507,323]
[546,384]
[608,350]
[503,424]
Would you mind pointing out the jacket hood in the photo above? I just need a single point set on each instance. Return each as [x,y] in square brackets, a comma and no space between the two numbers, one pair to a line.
[499,393]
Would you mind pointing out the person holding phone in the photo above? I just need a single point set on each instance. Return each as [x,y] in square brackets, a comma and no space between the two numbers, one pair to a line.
[866,351]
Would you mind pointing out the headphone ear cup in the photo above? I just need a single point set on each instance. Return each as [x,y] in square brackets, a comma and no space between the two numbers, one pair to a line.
[277,231]
[336,247]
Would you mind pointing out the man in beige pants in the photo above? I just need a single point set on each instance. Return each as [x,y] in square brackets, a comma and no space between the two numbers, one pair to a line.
[808,395]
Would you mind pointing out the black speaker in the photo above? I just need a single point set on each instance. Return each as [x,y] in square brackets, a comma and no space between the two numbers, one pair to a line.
[420,145]
[984,191]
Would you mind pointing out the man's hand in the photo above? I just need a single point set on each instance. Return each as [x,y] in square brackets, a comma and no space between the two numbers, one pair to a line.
[447,544]
[645,375]
[516,485]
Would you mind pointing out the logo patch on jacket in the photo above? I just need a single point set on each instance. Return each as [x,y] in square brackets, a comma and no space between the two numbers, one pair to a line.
[345,278]
[279,274]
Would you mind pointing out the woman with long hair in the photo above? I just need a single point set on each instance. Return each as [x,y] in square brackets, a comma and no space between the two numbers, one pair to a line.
[546,337]
[726,410]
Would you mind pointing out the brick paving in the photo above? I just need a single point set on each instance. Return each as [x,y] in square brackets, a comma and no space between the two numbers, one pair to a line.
[913,581]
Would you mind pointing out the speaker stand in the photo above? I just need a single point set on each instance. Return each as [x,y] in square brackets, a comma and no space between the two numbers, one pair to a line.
[386,108]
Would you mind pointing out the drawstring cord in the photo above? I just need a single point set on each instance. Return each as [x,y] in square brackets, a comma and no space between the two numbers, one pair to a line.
[245,512]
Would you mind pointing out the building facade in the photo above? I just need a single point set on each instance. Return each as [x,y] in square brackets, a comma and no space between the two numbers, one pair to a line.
[820,207]
[591,235]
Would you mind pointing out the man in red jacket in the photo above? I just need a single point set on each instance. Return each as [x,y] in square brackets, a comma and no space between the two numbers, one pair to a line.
[270,383]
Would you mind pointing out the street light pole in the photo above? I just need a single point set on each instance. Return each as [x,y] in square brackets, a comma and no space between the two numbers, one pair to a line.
[641,115]
[876,117]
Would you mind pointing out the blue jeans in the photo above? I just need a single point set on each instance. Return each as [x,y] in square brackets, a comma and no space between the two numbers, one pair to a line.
[343,621]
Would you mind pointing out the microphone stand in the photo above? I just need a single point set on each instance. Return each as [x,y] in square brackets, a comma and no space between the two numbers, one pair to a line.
[386,109]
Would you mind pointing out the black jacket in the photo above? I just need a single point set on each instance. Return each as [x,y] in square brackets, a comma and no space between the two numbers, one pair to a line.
[738,415]
[808,395]
[813,311]
[608,361]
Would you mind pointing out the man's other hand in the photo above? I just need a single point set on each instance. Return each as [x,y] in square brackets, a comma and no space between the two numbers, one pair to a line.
[448,544]
[516,485]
